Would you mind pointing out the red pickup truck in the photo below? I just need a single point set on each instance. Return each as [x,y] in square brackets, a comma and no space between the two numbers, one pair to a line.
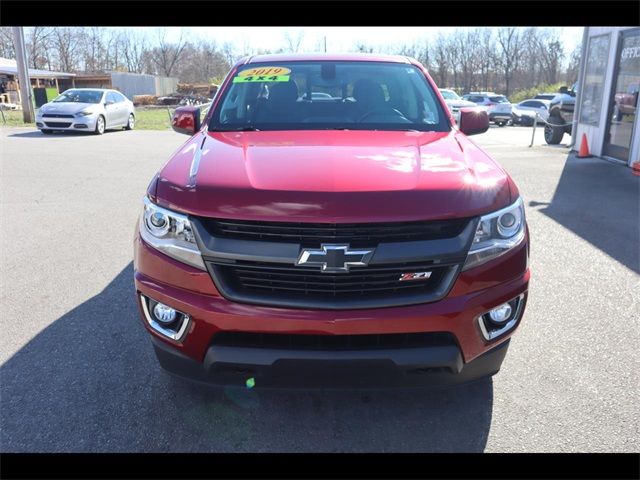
[329,223]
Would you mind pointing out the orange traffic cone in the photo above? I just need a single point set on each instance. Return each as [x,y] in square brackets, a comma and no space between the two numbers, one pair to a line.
[584,148]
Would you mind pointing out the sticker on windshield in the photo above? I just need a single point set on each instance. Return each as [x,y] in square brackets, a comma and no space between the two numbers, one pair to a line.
[263,74]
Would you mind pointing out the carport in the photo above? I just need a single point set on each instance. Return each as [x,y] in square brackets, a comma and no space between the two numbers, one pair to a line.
[45,79]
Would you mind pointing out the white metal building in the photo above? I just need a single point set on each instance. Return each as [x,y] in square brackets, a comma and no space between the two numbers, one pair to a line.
[607,99]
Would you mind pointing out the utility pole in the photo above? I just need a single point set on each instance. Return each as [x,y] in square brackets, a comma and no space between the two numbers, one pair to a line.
[23,76]
[325,44]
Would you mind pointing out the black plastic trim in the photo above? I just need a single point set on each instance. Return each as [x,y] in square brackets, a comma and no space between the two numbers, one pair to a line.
[417,367]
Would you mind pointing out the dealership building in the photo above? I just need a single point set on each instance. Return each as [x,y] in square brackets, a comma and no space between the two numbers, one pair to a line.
[607,98]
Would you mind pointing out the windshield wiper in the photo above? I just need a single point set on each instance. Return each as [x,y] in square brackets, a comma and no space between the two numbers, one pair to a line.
[246,128]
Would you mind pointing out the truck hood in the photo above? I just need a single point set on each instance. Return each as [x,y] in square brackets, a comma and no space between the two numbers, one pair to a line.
[332,176]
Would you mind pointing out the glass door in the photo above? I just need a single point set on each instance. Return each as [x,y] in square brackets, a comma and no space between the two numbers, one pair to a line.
[624,98]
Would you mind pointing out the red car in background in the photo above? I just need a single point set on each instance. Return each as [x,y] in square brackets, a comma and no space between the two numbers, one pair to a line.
[626,102]
[327,223]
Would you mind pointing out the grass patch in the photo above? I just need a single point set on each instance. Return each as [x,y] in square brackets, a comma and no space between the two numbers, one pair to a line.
[146,119]
[152,119]
[13,118]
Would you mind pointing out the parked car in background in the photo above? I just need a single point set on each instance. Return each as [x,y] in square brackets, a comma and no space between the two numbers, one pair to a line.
[498,106]
[86,110]
[454,102]
[545,96]
[352,242]
[626,102]
[524,112]
[560,120]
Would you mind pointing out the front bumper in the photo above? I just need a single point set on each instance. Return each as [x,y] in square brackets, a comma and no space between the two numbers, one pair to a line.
[76,124]
[469,357]
[499,116]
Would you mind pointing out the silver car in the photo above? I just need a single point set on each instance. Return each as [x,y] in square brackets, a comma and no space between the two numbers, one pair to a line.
[454,102]
[86,109]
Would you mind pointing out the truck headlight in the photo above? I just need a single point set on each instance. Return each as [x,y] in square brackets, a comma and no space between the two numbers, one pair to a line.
[171,233]
[496,234]
[85,113]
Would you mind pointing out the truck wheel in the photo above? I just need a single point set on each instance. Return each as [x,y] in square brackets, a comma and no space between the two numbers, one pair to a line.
[99,126]
[552,133]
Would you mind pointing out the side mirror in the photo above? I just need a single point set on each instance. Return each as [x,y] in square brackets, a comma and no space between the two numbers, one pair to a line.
[108,102]
[186,120]
[564,89]
[473,120]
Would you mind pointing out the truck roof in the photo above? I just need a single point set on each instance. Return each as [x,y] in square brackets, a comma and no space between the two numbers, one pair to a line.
[345,57]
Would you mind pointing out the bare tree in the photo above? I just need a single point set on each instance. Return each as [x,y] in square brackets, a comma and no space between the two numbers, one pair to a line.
[95,51]
[510,44]
[452,53]
[66,42]
[134,48]
[37,46]
[293,40]
[201,62]
[573,68]
[442,61]
[166,55]
[7,49]
[487,56]
[551,52]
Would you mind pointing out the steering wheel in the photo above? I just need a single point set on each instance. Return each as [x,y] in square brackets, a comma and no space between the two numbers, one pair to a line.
[385,111]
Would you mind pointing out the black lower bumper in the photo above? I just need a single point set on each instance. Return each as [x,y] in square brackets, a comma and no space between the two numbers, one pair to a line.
[277,368]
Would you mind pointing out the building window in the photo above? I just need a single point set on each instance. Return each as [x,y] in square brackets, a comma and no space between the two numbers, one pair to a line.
[592,92]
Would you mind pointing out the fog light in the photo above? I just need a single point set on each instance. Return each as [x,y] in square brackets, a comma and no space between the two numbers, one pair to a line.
[165,315]
[164,320]
[501,314]
[501,319]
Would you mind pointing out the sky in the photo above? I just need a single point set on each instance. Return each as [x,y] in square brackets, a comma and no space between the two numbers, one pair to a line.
[338,38]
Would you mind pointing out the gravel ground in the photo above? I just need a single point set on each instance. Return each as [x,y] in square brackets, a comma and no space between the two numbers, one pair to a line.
[79,374]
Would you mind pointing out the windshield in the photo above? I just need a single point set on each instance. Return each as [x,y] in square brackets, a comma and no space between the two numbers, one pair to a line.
[80,96]
[329,95]
[449,95]
[499,99]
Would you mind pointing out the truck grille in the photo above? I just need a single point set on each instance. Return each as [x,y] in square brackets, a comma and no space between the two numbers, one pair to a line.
[56,115]
[358,234]
[281,284]
[256,262]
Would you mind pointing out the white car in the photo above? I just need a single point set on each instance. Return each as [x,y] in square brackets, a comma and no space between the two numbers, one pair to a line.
[498,106]
[86,110]
[525,111]
[454,102]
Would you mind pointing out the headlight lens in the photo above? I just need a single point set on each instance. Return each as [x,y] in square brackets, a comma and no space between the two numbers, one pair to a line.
[171,233]
[84,113]
[497,233]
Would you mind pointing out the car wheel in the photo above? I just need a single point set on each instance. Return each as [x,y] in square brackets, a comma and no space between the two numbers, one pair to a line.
[100,126]
[553,134]
[46,132]
[131,123]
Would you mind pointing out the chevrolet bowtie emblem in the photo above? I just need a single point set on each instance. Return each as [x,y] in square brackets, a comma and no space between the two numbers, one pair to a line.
[334,258]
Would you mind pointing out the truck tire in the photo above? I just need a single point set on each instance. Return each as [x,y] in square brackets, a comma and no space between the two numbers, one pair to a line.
[553,134]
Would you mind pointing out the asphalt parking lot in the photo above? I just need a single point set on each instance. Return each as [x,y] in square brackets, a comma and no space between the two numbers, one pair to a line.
[78,372]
